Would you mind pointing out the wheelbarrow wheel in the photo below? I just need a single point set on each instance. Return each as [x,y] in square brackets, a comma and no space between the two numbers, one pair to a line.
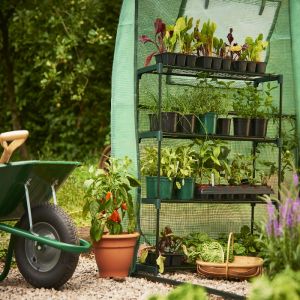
[42,265]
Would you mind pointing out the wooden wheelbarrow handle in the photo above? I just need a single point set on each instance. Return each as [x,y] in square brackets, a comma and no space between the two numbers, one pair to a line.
[10,141]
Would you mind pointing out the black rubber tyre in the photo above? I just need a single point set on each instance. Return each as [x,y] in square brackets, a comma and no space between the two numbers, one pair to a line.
[41,265]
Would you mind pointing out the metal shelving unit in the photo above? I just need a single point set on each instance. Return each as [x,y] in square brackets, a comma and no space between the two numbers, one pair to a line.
[161,70]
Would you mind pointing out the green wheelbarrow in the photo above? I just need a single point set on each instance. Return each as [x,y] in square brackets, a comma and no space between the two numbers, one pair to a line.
[44,239]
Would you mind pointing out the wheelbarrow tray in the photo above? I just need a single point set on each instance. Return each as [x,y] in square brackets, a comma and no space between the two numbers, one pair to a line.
[42,174]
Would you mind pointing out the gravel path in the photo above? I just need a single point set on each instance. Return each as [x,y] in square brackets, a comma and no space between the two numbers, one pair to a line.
[86,285]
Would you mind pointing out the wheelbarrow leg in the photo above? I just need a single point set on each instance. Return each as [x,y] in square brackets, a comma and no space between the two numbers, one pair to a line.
[8,260]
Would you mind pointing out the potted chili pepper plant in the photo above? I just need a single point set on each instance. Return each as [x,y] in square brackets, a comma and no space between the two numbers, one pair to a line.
[113,219]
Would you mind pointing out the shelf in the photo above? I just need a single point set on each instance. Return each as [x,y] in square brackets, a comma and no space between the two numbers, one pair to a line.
[193,72]
[159,135]
[158,202]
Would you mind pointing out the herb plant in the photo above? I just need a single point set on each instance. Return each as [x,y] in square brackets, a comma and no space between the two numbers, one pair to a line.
[168,163]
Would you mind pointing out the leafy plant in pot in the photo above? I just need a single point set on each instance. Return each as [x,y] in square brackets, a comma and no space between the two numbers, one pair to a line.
[241,123]
[159,41]
[185,39]
[109,202]
[185,182]
[205,44]
[222,107]
[218,46]
[254,51]
[168,170]
[169,251]
[186,117]
[260,108]
[212,165]
[169,116]
[207,101]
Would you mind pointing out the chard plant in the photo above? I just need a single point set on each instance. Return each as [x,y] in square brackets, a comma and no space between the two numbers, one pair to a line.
[255,48]
[157,41]
[207,37]
[170,39]
[181,28]
[218,47]
[280,236]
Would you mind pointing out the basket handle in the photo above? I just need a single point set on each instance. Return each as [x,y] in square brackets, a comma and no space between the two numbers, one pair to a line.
[230,242]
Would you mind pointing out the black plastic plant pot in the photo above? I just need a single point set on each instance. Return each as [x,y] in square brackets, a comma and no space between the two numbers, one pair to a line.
[223,126]
[191,61]
[240,65]
[204,62]
[168,122]
[216,63]
[187,189]
[241,126]
[167,58]
[261,67]
[165,186]
[258,127]
[180,59]
[251,66]
[153,119]
[206,124]
[172,259]
[226,64]
[186,123]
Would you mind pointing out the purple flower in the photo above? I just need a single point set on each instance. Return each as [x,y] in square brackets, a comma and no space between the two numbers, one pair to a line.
[271,210]
[296,179]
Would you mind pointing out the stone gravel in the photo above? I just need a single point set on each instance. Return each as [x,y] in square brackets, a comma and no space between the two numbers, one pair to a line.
[86,285]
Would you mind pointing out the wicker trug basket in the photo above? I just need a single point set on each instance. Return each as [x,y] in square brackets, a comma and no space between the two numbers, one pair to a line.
[242,267]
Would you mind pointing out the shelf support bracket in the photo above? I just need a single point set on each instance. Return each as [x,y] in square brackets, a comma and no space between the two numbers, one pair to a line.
[262,7]
[206,4]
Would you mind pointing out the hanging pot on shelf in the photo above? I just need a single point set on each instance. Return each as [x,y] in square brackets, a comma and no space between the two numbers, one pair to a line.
[259,127]
[223,126]
[241,126]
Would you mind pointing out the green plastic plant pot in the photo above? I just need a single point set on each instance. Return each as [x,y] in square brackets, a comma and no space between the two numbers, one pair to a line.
[187,189]
[206,124]
[165,186]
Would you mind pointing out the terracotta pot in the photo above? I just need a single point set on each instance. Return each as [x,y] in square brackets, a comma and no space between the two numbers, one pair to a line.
[114,254]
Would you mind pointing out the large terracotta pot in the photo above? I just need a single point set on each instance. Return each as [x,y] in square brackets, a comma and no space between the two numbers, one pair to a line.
[114,254]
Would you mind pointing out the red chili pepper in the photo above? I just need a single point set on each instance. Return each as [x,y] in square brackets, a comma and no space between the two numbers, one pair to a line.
[108,196]
[115,217]
[124,206]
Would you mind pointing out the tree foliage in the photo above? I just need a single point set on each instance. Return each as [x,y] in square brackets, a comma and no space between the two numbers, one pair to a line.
[59,55]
